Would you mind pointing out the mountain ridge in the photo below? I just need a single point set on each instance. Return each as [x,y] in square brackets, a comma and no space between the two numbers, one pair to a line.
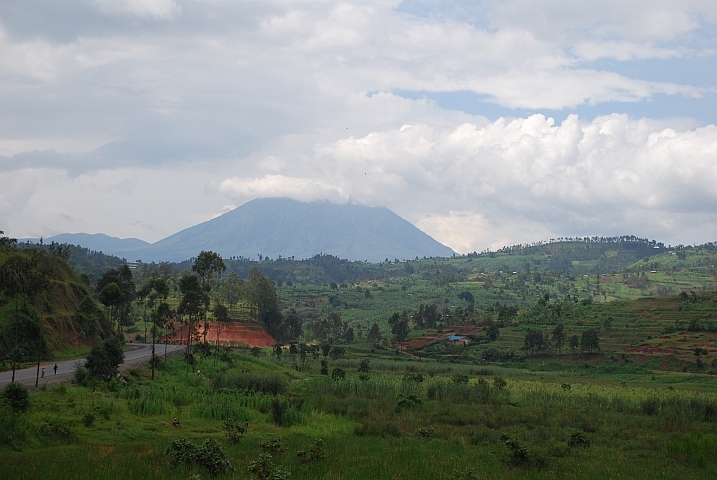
[280,226]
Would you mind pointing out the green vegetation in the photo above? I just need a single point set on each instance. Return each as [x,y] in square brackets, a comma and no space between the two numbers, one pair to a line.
[405,420]
[585,358]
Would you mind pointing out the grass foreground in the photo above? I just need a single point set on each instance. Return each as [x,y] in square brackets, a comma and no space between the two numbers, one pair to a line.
[400,420]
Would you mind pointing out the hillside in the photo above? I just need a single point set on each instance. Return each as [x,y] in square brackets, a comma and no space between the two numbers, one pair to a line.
[52,293]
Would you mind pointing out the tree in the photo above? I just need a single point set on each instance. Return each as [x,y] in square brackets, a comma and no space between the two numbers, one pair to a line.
[190,305]
[207,265]
[559,336]
[373,333]
[337,352]
[231,289]
[589,340]
[263,298]
[221,313]
[293,327]
[534,341]
[103,362]
[122,277]
[399,326]
[698,352]
[492,333]
[574,343]
[364,366]
[111,297]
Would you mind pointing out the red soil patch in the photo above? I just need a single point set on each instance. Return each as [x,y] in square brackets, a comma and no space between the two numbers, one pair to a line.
[230,333]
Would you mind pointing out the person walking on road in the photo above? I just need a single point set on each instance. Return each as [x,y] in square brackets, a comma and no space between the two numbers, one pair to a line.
[55,369]
[43,372]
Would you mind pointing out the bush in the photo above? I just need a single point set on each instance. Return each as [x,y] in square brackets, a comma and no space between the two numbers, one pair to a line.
[499,383]
[82,375]
[518,452]
[578,439]
[363,366]
[274,445]
[103,362]
[283,413]
[426,432]
[338,374]
[315,453]
[408,401]
[16,396]
[13,427]
[234,430]
[88,419]
[210,455]
[263,468]
[56,431]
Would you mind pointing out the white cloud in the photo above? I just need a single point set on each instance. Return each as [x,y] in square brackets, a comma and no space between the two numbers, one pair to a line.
[510,180]
[157,9]
[112,120]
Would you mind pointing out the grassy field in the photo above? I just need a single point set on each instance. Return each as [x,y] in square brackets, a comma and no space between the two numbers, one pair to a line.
[401,419]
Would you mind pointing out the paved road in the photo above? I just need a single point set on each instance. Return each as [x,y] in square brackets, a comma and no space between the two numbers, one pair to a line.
[138,354]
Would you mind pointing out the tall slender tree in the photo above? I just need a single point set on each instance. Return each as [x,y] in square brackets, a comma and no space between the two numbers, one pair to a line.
[207,266]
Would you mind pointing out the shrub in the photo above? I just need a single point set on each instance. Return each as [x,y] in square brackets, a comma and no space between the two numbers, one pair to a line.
[650,406]
[578,439]
[56,431]
[263,468]
[518,452]
[234,430]
[458,378]
[468,474]
[413,377]
[82,375]
[210,455]
[16,396]
[13,427]
[315,453]
[363,366]
[181,452]
[499,383]
[283,413]
[88,419]
[426,432]
[338,373]
[408,401]
[274,445]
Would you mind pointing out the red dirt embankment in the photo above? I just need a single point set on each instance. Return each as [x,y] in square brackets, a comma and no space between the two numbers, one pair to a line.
[230,333]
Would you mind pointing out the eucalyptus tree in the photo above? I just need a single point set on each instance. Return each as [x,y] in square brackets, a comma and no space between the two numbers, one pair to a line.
[208,265]
[191,306]
[158,292]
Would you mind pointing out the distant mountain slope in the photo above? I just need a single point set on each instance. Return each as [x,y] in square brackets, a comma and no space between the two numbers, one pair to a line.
[99,242]
[279,226]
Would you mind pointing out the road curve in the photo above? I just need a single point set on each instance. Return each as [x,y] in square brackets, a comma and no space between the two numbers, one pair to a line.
[138,354]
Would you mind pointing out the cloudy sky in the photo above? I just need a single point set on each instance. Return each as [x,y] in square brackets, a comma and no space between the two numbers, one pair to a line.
[483,123]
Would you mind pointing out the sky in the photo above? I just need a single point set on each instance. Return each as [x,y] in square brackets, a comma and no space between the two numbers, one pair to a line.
[484,123]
